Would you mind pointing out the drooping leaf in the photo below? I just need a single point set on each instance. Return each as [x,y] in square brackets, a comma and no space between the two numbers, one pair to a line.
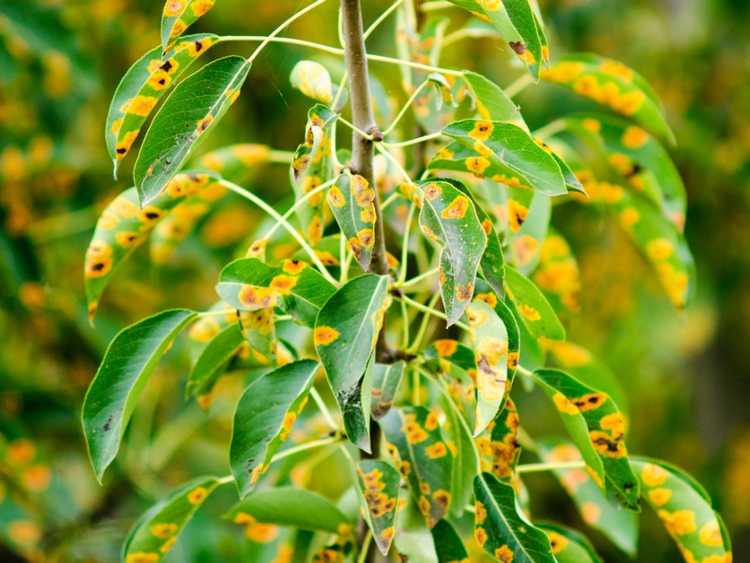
[250,285]
[214,358]
[448,545]
[264,417]
[612,84]
[456,363]
[155,533]
[490,343]
[127,364]
[501,151]
[194,107]
[351,202]
[533,308]
[345,335]
[423,457]
[378,484]
[313,165]
[498,445]
[568,545]
[386,379]
[449,218]
[597,427]
[313,80]
[289,506]
[492,102]
[501,529]
[124,225]
[557,274]
[141,88]
[517,23]
[597,509]
[178,15]
[685,510]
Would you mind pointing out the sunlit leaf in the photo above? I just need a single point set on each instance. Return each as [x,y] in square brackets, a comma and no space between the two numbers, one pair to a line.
[598,428]
[501,529]
[264,417]
[503,152]
[498,446]
[612,84]
[423,457]
[449,218]
[386,379]
[141,88]
[259,329]
[194,107]
[289,506]
[492,102]
[685,509]
[238,163]
[456,362]
[568,545]
[214,358]
[345,335]
[127,364]
[178,15]
[155,533]
[533,308]
[378,484]
[448,545]
[351,200]
[557,274]
[313,80]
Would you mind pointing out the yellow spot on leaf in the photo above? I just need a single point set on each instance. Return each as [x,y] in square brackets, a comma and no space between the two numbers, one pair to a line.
[325,335]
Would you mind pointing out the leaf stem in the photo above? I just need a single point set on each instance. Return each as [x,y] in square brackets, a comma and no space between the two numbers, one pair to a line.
[381,18]
[405,107]
[328,440]
[405,245]
[353,127]
[390,199]
[320,403]
[437,5]
[430,311]
[469,33]
[519,85]
[365,547]
[416,140]
[417,279]
[537,467]
[423,325]
[281,157]
[299,203]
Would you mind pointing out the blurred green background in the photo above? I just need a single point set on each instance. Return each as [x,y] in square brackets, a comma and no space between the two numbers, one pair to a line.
[685,372]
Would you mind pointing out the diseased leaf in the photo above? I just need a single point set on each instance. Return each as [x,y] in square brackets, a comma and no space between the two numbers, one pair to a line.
[685,510]
[386,379]
[345,335]
[557,274]
[498,446]
[191,110]
[597,509]
[568,545]
[612,84]
[533,308]
[141,88]
[127,364]
[456,362]
[598,430]
[378,484]
[155,533]
[449,218]
[351,200]
[259,329]
[214,358]
[289,506]
[250,285]
[423,457]
[264,417]
[313,80]
[124,225]
[313,165]
[501,529]
[448,545]
[504,152]
[492,102]
[178,15]
[238,163]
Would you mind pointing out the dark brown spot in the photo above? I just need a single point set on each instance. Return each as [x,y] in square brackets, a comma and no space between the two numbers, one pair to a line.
[518,47]
[198,46]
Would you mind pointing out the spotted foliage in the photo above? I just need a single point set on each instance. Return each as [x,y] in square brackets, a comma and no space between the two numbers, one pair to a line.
[178,15]
[557,274]
[568,545]
[313,80]
[532,307]
[498,445]
[386,379]
[492,103]
[378,483]
[351,200]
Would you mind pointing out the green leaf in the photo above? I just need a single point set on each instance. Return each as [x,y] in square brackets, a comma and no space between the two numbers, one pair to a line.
[498,447]
[533,308]
[501,151]
[155,533]
[259,329]
[493,104]
[313,165]
[455,361]
[127,364]
[249,285]
[289,506]
[449,218]
[448,545]
[194,107]
[569,546]
[598,510]
[386,379]
[598,429]
[313,80]
[378,484]
[557,274]
[265,414]
[423,458]
[517,23]
[214,358]
[141,88]
[124,225]
[345,335]
[178,15]
[612,84]
[351,202]
[490,343]
[501,529]
[685,510]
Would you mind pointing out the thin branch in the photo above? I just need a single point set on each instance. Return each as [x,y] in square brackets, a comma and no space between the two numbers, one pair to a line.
[416,140]
[518,86]
[537,467]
